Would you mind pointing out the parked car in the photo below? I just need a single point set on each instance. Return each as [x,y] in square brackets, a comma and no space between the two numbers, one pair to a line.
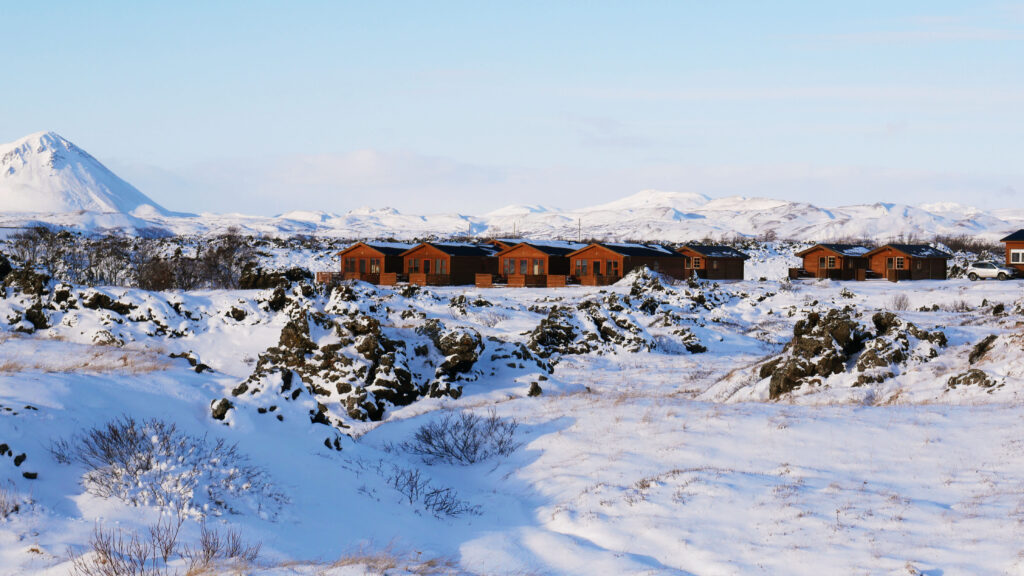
[989,270]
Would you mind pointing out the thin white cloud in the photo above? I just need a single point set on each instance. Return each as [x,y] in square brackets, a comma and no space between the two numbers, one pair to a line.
[418,184]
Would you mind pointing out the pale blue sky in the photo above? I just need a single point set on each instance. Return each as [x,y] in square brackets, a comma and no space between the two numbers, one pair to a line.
[262,107]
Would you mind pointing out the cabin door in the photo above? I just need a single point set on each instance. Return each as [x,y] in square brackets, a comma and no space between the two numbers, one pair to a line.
[426,266]
[362,266]
[597,267]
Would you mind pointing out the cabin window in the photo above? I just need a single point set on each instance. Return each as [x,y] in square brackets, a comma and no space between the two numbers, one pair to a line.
[597,267]
[426,266]
[350,264]
[714,264]
[831,261]
[888,263]
[524,265]
[1017,256]
[918,264]
[414,265]
[613,268]
[581,267]
[899,263]
[374,265]
[696,262]
[442,266]
[362,266]
[509,266]
[538,266]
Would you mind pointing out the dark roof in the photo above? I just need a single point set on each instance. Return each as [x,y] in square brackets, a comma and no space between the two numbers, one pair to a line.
[1017,236]
[854,250]
[551,249]
[460,249]
[711,251]
[386,248]
[916,250]
[638,250]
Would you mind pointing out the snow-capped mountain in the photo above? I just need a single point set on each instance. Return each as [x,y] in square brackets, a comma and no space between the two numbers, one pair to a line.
[44,179]
[46,173]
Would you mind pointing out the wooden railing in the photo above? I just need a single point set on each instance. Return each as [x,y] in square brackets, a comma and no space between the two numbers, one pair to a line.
[422,279]
[598,280]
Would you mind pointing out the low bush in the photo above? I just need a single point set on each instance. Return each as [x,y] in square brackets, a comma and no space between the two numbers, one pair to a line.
[151,463]
[463,438]
[417,488]
[899,302]
[157,552]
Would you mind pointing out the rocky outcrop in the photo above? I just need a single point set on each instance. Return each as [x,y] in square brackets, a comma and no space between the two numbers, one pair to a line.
[972,377]
[823,346]
[820,347]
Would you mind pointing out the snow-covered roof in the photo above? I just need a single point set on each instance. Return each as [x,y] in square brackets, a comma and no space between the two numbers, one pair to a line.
[711,251]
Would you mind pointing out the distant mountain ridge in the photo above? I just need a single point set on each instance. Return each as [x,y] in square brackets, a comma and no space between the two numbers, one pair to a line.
[45,179]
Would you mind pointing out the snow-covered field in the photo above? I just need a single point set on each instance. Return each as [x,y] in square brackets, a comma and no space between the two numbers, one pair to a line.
[868,446]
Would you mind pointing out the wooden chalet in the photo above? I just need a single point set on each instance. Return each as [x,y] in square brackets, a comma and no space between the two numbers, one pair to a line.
[373,262]
[533,264]
[446,264]
[713,262]
[1015,250]
[833,261]
[599,264]
[908,262]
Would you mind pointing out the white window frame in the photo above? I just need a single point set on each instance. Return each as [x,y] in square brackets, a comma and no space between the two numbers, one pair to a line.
[1019,254]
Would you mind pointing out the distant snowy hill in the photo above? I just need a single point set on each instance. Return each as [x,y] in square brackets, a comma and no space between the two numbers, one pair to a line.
[46,179]
[46,173]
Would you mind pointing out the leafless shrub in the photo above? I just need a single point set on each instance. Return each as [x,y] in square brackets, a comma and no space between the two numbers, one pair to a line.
[152,463]
[10,503]
[417,488]
[957,306]
[965,243]
[116,552]
[899,302]
[216,547]
[463,438]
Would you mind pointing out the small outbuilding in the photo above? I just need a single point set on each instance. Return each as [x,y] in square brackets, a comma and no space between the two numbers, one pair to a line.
[908,262]
[599,264]
[373,262]
[446,264]
[535,263]
[1015,250]
[713,262]
[834,261]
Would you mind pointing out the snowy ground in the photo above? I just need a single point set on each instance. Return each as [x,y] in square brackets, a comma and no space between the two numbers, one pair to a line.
[654,461]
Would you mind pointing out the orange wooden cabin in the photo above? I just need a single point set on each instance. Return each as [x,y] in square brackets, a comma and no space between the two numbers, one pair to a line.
[834,261]
[908,262]
[713,262]
[605,263]
[534,264]
[447,264]
[1015,250]
[373,262]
